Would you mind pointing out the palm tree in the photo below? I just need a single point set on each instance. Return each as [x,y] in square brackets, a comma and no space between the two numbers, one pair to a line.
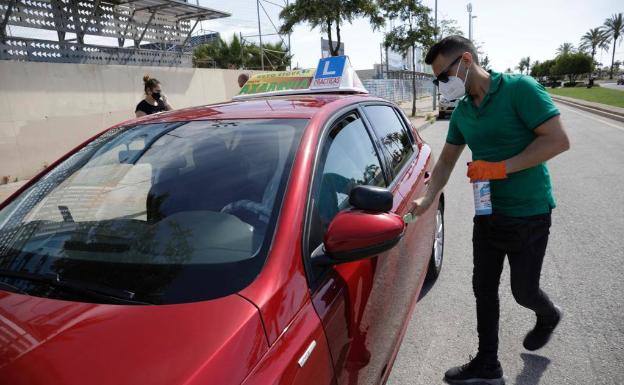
[565,49]
[521,65]
[525,63]
[614,28]
[593,39]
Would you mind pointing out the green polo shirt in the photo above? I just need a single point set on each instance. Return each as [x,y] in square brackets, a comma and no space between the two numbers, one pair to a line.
[502,127]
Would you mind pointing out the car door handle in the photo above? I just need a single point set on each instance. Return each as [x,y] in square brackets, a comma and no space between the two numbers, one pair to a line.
[427,177]
[304,357]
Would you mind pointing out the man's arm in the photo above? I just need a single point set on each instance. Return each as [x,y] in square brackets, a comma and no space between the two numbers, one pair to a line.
[439,177]
[551,141]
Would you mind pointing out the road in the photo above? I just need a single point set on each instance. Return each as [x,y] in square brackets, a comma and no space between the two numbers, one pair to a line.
[583,272]
[613,86]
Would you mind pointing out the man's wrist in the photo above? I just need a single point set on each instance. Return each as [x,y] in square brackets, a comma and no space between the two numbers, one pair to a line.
[509,166]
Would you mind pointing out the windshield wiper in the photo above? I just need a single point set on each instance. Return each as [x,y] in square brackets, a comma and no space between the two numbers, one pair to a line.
[91,289]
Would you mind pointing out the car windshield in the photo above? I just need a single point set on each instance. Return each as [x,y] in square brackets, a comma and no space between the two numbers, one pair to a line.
[164,213]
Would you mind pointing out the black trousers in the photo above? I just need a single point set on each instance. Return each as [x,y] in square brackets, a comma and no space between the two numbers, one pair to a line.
[524,242]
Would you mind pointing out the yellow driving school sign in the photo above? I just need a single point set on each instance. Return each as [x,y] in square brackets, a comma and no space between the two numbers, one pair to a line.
[278,81]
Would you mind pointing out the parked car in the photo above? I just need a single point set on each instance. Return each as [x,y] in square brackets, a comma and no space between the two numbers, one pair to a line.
[446,107]
[620,80]
[250,242]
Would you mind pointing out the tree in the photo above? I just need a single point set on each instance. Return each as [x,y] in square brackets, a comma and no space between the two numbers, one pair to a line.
[542,70]
[525,63]
[220,54]
[572,65]
[415,29]
[448,27]
[565,49]
[536,69]
[485,63]
[521,65]
[276,54]
[329,15]
[593,39]
[614,28]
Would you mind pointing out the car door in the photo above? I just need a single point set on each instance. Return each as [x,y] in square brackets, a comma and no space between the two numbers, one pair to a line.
[411,165]
[409,169]
[353,300]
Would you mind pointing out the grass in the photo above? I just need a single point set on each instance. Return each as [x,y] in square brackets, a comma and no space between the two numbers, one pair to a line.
[595,94]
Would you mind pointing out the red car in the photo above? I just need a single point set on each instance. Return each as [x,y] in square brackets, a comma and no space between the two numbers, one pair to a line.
[251,242]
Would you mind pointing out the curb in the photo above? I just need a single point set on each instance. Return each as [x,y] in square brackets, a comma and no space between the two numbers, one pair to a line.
[595,110]
[425,125]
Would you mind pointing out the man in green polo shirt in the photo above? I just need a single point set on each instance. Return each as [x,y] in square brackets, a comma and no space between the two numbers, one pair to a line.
[512,128]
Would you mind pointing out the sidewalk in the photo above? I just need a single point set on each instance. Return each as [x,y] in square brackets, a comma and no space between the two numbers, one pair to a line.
[607,111]
[424,112]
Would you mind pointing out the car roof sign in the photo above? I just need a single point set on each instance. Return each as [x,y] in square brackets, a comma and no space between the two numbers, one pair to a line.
[333,74]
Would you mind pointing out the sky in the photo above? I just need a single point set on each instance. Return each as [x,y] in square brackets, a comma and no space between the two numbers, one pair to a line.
[507,30]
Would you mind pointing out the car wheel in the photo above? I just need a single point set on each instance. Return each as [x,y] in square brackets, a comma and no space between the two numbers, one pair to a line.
[440,115]
[437,252]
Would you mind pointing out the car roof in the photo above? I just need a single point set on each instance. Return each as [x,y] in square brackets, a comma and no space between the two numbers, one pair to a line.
[291,106]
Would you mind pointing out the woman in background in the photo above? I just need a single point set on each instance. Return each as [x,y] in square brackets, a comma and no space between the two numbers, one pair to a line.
[154,101]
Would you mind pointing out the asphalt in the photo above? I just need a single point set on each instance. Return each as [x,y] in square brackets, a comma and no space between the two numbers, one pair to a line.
[583,273]
[613,85]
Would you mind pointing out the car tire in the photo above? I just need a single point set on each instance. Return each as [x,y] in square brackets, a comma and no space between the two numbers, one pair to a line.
[440,115]
[437,250]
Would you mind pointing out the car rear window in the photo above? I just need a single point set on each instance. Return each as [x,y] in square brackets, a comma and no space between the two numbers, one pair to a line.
[169,212]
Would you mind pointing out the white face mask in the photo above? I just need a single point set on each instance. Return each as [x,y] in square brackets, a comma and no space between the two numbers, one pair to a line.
[454,88]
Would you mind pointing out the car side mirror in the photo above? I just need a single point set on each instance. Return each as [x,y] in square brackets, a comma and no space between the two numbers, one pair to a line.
[364,231]
[371,198]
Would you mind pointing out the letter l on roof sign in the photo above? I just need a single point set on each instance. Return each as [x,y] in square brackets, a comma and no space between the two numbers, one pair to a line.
[326,70]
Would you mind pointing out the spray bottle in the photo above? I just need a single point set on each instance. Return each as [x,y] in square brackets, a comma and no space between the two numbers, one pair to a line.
[482,197]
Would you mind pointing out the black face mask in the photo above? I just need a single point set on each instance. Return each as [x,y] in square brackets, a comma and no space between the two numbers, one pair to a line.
[156,95]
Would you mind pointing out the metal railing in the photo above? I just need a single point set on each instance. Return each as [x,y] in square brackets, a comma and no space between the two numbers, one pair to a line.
[69,52]
[398,90]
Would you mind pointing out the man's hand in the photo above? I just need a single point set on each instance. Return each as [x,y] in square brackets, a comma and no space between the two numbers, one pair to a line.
[482,170]
[421,205]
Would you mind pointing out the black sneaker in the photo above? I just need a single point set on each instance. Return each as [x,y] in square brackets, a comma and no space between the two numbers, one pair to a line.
[541,333]
[477,371]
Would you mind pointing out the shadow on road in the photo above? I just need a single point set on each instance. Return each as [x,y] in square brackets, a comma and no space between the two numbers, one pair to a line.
[427,285]
[534,368]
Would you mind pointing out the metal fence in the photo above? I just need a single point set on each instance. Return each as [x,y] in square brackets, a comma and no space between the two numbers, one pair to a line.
[398,90]
[69,52]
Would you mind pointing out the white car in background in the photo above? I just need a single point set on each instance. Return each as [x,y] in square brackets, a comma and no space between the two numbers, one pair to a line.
[446,107]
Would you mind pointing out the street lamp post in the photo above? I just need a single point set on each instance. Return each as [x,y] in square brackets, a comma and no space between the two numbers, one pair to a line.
[472,28]
[469,9]
[260,34]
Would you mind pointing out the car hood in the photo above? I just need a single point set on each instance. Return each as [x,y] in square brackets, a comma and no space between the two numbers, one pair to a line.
[46,341]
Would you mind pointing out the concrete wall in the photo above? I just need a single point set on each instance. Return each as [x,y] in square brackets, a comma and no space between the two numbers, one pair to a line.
[48,108]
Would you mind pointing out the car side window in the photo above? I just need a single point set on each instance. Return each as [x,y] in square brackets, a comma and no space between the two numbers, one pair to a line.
[392,133]
[348,158]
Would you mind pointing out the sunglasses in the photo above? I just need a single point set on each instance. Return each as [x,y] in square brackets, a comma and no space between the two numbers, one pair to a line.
[443,76]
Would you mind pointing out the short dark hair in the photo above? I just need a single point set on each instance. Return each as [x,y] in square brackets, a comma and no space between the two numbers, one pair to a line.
[449,46]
